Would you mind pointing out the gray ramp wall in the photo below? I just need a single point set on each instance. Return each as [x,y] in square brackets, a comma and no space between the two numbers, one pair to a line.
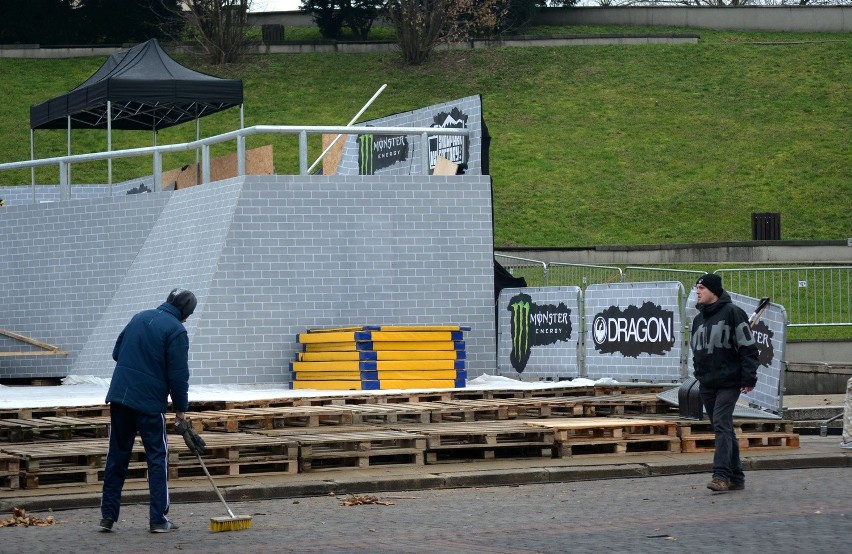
[268,257]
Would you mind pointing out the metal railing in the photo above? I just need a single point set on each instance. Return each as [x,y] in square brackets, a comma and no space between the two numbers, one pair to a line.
[637,274]
[240,135]
[534,271]
[583,275]
[812,296]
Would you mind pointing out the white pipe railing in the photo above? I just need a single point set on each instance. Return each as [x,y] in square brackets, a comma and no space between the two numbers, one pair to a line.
[157,151]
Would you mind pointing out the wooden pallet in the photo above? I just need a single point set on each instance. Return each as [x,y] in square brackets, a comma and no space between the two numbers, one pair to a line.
[406,397]
[63,463]
[243,419]
[590,436]
[391,413]
[465,441]
[741,426]
[233,454]
[360,447]
[465,410]
[608,447]
[53,428]
[10,468]
[55,411]
[746,441]
[625,404]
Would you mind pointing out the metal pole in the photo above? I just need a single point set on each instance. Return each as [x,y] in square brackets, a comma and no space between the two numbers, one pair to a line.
[205,164]
[69,153]
[241,155]
[109,144]
[64,184]
[303,153]
[158,171]
[197,136]
[352,121]
[424,153]
[32,157]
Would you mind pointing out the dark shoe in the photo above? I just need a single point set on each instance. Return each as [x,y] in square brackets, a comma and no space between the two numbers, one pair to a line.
[166,527]
[718,485]
[736,486]
[106,525]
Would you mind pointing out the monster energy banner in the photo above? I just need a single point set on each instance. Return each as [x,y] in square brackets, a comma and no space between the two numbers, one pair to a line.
[770,335]
[537,329]
[377,152]
[453,148]
[763,337]
[647,329]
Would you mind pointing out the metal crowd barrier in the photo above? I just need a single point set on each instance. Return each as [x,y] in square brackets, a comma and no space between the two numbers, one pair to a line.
[813,296]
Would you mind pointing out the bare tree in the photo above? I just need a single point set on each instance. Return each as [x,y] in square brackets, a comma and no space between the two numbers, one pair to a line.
[219,27]
[421,25]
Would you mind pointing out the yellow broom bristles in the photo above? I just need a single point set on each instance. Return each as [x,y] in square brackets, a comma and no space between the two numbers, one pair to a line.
[236,523]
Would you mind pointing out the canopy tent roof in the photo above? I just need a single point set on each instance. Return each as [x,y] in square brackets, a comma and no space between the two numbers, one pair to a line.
[148,90]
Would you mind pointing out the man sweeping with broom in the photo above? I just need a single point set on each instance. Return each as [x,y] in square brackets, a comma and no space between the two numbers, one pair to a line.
[152,363]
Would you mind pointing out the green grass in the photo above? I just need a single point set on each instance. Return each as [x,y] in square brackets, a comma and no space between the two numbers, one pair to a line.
[592,145]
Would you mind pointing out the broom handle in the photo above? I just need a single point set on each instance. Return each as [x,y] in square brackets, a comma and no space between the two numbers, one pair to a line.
[215,488]
[354,119]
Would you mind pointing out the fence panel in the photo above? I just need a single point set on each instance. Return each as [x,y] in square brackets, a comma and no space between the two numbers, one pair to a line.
[812,296]
[638,274]
[534,271]
[582,275]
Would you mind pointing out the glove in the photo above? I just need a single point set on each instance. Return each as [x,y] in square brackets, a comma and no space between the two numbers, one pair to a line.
[193,441]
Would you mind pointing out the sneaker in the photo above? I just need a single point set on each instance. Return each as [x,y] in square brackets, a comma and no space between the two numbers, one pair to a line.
[718,485]
[105,526]
[846,445]
[165,527]
[736,486]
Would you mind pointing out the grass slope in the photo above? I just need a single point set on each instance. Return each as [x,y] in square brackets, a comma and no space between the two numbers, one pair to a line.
[592,145]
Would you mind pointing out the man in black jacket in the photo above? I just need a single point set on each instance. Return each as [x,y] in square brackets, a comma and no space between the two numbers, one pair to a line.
[725,360]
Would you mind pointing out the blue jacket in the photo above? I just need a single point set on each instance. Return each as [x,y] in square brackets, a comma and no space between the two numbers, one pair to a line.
[152,355]
[724,352]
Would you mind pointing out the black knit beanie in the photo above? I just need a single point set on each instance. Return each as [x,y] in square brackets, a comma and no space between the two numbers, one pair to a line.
[712,282]
[184,301]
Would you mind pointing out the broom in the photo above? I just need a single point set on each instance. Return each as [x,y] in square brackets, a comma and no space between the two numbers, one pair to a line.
[223,523]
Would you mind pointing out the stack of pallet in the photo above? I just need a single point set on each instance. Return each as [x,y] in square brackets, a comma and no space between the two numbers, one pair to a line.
[381,358]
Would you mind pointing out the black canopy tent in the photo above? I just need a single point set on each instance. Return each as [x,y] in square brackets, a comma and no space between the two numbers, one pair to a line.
[142,88]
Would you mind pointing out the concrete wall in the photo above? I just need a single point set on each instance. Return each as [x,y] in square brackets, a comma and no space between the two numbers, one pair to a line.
[807,19]
[268,257]
[829,19]
[757,252]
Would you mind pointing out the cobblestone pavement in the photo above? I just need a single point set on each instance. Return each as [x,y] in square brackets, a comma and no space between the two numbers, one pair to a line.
[780,511]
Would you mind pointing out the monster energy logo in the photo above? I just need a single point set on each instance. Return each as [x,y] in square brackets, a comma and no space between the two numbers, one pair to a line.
[365,155]
[380,151]
[519,307]
[535,325]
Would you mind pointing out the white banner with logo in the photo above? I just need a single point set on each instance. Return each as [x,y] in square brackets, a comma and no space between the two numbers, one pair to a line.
[635,331]
[538,332]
